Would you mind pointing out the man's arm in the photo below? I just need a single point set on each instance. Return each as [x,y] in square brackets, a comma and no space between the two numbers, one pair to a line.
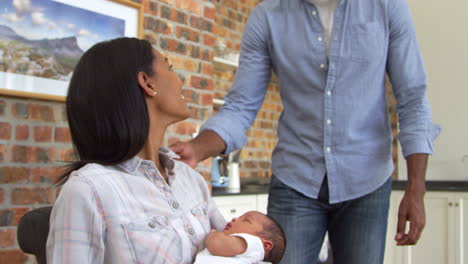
[225,131]
[220,244]
[412,205]
[406,71]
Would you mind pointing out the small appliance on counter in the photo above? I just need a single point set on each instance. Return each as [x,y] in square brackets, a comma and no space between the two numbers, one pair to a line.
[225,171]
[219,176]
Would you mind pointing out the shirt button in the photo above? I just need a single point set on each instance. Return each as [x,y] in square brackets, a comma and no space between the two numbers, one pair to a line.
[191,231]
[319,38]
[175,205]
[314,13]
[322,66]
[151,224]
[329,121]
[328,149]
[328,93]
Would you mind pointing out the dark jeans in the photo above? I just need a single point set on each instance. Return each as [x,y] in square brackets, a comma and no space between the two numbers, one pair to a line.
[356,228]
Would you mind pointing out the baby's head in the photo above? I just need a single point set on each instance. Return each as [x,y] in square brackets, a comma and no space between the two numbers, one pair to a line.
[267,229]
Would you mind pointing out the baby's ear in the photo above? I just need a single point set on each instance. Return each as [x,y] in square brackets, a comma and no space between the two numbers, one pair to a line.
[267,244]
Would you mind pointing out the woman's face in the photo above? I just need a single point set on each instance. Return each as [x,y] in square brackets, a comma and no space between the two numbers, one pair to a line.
[167,84]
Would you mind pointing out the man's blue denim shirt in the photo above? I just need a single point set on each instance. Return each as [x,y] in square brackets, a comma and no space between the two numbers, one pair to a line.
[335,120]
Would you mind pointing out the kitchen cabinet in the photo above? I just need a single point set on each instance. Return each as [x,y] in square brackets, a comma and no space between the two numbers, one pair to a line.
[235,205]
[444,239]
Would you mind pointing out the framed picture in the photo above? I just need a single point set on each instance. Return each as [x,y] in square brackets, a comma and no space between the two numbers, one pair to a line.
[41,41]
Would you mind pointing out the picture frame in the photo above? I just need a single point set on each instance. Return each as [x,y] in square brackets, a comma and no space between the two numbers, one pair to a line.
[42,40]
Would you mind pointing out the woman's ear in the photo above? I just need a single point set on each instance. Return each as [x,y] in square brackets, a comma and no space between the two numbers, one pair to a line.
[144,82]
[267,244]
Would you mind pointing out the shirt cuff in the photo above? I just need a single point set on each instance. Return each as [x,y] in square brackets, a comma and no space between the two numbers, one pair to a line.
[412,143]
[233,138]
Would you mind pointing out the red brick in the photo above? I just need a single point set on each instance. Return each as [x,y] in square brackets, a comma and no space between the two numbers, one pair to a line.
[191,5]
[191,65]
[200,23]
[201,83]
[185,128]
[11,216]
[23,154]
[3,152]
[20,110]
[44,155]
[209,40]
[62,134]
[173,45]
[14,175]
[13,256]
[169,2]
[207,99]
[5,130]
[190,96]
[207,68]
[158,26]
[2,107]
[209,12]
[41,112]
[46,174]
[173,14]
[31,195]
[150,8]
[187,34]
[42,133]
[67,155]
[7,238]
[220,31]
[22,132]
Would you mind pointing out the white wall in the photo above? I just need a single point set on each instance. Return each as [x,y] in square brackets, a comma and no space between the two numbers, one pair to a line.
[442,29]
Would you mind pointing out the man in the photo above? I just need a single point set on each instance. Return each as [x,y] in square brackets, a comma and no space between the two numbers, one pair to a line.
[332,165]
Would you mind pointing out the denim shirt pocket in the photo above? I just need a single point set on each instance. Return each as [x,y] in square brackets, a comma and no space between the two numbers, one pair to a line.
[367,42]
[152,240]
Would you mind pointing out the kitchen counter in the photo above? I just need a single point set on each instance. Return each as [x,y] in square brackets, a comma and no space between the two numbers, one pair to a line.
[398,185]
[246,189]
[440,186]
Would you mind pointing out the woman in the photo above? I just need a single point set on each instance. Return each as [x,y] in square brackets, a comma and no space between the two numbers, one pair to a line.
[124,201]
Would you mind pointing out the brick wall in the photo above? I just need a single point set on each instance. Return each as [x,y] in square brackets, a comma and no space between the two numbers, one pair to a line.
[230,19]
[34,137]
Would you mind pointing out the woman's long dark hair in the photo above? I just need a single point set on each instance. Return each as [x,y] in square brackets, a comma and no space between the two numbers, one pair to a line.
[106,108]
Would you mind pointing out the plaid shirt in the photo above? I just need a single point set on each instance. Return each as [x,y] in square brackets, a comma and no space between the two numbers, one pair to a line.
[129,214]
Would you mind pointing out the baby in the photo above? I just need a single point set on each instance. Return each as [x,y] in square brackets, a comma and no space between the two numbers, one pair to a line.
[251,238]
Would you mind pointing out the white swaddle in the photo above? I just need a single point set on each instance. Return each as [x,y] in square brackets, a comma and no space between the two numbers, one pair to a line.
[254,253]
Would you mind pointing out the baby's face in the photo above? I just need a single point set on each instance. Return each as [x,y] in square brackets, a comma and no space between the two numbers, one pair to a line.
[249,223]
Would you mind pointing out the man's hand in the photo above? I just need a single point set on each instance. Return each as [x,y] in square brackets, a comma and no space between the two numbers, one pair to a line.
[186,151]
[412,210]
[205,145]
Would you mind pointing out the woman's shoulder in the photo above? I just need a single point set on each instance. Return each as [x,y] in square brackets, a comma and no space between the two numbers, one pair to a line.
[95,175]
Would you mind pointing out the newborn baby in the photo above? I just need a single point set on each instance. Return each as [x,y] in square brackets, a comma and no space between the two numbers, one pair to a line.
[252,238]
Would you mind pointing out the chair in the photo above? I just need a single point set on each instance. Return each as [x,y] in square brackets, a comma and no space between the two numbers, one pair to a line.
[33,229]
